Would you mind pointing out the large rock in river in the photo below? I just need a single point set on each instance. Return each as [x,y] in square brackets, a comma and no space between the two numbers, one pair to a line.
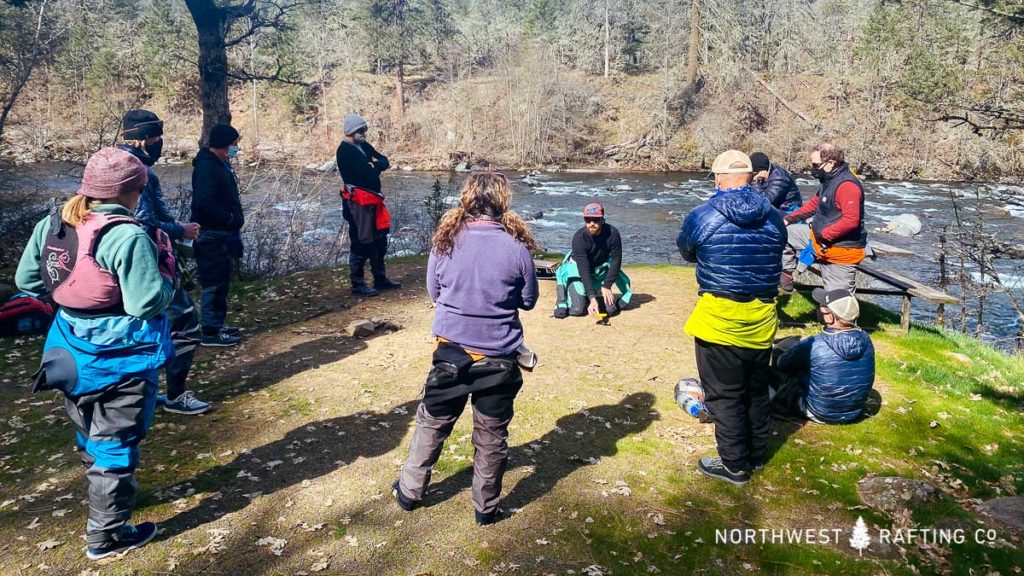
[904,225]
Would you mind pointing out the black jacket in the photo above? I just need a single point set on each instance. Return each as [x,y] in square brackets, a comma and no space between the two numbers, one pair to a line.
[355,166]
[215,201]
[590,252]
[780,189]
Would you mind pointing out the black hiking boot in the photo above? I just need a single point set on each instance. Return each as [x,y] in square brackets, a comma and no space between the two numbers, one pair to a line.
[714,468]
[404,502]
[387,284]
[486,518]
[364,290]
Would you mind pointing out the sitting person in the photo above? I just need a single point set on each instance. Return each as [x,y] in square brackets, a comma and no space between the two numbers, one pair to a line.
[775,183]
[587,274]
[826,378]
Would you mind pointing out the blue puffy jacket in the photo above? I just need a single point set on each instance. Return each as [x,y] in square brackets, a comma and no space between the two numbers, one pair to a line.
[736,239]
[780,189]
[837,368]
[152,210]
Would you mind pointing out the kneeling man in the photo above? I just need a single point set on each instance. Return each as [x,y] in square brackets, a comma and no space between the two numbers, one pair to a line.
[587,274]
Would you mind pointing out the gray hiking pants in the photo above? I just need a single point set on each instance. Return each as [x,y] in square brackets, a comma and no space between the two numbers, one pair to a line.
[110,424]
[494,385]
[833,276]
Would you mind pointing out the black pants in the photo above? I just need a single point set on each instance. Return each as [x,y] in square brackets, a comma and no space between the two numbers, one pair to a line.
[736,382]
[215,263]
[358,255]
[579,304]
[184,319]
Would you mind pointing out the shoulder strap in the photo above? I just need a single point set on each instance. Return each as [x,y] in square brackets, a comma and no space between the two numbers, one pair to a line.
[112,221]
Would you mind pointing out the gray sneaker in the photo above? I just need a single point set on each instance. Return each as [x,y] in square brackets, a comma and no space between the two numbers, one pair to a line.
[187,403]
[714,468]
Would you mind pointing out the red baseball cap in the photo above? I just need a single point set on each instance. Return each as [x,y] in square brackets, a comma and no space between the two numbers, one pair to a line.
[593,210]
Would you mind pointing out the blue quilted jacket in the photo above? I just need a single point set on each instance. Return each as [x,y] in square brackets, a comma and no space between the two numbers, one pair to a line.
[837,369]
[736,239]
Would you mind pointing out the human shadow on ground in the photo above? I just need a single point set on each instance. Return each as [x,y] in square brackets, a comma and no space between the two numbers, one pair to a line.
[249,376]
[638,300]
[307,452]
[577,440]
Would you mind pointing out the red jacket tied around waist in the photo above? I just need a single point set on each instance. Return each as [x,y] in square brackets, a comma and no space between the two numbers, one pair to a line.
[367,213]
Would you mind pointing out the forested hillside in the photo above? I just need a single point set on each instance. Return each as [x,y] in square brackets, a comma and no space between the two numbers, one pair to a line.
[913,89]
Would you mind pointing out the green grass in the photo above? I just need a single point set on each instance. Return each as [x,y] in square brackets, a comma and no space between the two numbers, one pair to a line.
[951,414]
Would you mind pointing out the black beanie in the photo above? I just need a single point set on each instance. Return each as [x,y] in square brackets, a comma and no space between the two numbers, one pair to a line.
[222,136]
[141,124]
[759,161]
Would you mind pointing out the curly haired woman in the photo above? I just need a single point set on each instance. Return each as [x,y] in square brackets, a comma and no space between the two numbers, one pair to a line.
[480,274]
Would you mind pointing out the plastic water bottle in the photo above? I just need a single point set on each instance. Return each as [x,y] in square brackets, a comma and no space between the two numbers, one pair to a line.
[690,396]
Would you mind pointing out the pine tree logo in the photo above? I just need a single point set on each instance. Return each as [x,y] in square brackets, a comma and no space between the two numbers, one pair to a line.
[860,539]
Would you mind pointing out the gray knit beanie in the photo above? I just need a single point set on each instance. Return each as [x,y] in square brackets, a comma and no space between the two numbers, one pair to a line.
[352,124]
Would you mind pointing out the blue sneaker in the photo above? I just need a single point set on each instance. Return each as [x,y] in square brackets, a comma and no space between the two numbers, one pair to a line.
[220,339]
[187,403]
[131,537]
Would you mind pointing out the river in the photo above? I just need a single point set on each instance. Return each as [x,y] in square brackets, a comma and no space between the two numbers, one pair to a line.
[294,218]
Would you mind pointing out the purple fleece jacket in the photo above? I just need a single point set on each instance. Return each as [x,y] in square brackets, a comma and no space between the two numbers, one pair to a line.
[480,288]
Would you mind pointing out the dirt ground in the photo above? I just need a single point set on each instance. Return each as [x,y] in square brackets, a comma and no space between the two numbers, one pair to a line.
[311,427]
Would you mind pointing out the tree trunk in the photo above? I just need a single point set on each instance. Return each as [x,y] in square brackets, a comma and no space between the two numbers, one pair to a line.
[400,90]
[13,96]
[607,37]
[691,66]
[210,24]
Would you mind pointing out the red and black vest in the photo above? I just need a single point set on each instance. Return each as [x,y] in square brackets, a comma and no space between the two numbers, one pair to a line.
[69,268]
[829,213]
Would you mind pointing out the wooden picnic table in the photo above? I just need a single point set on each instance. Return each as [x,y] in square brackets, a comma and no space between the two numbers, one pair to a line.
[893,284]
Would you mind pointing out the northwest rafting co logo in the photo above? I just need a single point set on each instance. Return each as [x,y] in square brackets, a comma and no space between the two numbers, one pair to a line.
[859,537]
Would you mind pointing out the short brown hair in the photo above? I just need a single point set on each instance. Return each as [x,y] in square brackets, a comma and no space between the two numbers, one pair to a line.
[830,152]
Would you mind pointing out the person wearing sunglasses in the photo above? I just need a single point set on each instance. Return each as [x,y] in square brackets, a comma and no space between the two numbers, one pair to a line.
[836,234]
[369,222]
[587,274]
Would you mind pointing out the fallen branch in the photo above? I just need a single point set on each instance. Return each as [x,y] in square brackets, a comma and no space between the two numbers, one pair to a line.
[817,126]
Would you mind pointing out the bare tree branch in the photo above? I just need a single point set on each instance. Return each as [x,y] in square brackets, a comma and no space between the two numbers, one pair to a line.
[260,21]
[277,76]
[1018,18]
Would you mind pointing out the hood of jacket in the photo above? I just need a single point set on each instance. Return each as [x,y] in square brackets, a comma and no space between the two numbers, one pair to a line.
[744,206]
[847,344]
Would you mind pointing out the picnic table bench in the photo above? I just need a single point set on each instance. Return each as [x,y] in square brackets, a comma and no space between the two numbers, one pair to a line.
[874,281]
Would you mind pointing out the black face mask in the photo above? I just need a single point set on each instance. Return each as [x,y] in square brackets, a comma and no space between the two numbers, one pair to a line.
[818,173]
[153,151]
[821,316]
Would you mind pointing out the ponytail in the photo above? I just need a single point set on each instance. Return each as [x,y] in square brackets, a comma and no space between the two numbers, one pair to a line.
[77,210]
[447,229]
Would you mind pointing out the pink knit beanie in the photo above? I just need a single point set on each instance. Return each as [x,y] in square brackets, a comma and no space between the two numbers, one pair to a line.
[112,172]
